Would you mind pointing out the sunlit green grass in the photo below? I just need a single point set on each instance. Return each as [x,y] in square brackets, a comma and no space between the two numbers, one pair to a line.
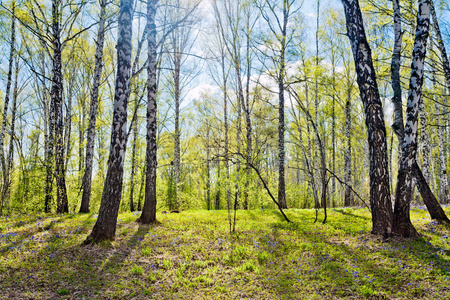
[192,255]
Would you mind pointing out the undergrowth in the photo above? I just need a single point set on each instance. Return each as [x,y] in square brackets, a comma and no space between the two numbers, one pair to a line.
[192,255]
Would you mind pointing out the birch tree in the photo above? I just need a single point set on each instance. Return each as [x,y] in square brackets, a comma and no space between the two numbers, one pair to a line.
[277,16]
[87,178]
[380,201]
[6,102]
[105,226]
[149,209]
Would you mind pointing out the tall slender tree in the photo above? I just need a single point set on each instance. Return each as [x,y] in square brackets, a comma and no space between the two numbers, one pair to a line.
[87,178]
[105,227]
[380,201]
[6,103]
[148,215]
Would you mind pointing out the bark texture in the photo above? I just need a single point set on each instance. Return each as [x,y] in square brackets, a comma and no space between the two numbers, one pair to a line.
[105,227]
[87,178]
[348,153]
[402,224]
[62,204]
[281,121]
[397,126]
[5,106]
[441,46]
[148,215]
[380,201]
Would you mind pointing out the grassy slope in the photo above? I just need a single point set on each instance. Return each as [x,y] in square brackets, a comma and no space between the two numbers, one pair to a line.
[191,255]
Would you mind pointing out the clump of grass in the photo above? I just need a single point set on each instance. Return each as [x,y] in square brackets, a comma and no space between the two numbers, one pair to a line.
[137,270]
[146,251]
[63,292]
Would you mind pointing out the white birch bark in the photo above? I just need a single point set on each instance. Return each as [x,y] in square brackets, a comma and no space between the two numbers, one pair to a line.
[87,178]
[379,173]
[105,227]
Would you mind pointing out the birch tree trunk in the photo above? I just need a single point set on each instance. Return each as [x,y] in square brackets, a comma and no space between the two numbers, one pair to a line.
[441,46]
[57,106]
[380,201]
[5,106]
[429,199]
[87,178]
[402,224]
[247,114]
[133,162]
[10,154]
[208,170]
[105,227]
[149,210]
[348,153]
[177,93]
[333,127]
[443,183]
[281,121]
[48,143]
[238,164]
[397,126]
[425,141]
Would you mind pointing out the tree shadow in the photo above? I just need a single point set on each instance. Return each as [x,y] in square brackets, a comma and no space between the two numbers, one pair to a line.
[347,213]
[335,268]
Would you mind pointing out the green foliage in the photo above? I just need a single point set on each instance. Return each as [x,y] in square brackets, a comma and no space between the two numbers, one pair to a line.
[137,270]
[63,292]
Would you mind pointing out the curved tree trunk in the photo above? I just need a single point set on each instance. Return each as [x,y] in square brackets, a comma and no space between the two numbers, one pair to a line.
[402,224]
[380,201]
[87,178]
[105,227]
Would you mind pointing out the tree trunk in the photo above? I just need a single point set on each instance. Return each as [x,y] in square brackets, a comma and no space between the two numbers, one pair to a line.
[87,178]
[247,115]
[105,227]
[48,143]
[141,188]
[348,154]
[309,158]
[10,155]
[5,107]
[133,163]
[177,150]
[149,210]
[380,201]
[443,184]
[402,224]
[225,124]
[57,105]
[281,122]
[397,126]
[333,127]
[208,171]
[425,142]
[441,46]
[238,164]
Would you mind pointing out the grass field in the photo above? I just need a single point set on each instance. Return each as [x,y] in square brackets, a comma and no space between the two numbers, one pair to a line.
[192,255]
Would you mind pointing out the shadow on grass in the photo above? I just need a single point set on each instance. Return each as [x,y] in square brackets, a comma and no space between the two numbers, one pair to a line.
[48,266]
[346,213]
[345,269]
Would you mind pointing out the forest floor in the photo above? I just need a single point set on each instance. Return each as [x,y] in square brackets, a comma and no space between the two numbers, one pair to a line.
[192,255]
